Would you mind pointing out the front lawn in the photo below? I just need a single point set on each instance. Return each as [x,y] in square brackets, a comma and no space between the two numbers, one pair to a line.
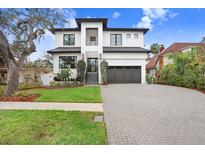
[50,127]
[85,94]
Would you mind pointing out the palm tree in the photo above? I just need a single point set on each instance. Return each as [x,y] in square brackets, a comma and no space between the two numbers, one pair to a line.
[155,48]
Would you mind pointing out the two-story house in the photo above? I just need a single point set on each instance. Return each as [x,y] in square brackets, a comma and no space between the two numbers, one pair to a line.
[93,41]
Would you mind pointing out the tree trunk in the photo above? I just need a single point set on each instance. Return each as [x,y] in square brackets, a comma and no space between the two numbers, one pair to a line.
[12,79]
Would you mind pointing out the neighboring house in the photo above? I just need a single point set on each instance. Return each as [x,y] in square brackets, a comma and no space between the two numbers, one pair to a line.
[179,48]
[162,58]
[26,74]
[155,62]
[92,41]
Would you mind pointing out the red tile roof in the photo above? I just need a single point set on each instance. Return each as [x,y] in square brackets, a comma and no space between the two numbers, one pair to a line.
[177,47]
[174,48]
[153,61]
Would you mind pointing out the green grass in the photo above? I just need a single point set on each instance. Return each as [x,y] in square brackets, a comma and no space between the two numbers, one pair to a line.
[50,127]
[85,94]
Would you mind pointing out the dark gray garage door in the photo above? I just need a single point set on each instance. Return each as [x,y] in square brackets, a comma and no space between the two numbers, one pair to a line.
[124,74]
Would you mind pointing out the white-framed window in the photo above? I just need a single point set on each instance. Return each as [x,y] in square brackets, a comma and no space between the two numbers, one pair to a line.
[69,39]
[128,36]
[66,62]
[115,39]
[135,36]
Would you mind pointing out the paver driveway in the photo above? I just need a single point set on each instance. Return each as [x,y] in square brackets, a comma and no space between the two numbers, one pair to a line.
[153,114]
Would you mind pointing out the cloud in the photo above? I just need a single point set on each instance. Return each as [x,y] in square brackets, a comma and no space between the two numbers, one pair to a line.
[116,15]
[145,22]
[173,15]
[152,15]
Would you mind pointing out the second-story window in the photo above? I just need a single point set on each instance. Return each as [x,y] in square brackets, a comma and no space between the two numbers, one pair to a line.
[93,41]
[116,39]
[69,39]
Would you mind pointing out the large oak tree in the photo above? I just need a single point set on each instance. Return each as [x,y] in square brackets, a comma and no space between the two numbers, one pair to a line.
[19,31]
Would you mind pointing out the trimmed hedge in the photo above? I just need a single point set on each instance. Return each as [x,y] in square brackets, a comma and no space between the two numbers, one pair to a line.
[103,69]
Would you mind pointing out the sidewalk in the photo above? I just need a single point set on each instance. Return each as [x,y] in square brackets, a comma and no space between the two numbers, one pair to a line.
[52,106]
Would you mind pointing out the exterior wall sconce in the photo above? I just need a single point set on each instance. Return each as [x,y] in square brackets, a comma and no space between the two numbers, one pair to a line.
[83,56]
[100,56]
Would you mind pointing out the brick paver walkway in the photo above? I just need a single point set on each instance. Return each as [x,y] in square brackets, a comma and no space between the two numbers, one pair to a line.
[52,106]
[153,114]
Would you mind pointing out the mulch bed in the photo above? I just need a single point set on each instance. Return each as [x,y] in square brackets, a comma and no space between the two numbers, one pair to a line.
[19,99]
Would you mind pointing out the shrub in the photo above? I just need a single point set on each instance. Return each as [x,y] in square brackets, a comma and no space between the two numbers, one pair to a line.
[81,65]
[64,75]
[57,78]
[29,85]
[67,83]
[2,90]
[187,70]
[22,94]
[103,69]
[150,79]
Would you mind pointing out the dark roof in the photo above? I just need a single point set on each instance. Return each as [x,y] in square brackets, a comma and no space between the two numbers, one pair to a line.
[65,49]
[66,29]
[103,20]
[178,46]
[125,49]
[105,28]
[105,49]
[144,30]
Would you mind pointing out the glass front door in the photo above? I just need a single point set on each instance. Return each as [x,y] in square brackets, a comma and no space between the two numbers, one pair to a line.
[92,64]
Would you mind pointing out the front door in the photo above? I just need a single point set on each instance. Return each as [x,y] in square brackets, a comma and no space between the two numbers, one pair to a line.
[92,64]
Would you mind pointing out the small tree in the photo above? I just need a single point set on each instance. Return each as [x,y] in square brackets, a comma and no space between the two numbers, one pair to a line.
[81,65]
[103,70]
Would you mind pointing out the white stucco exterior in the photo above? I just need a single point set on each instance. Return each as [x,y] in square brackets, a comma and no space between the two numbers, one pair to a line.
[96,29]
[126,42]
[59,39]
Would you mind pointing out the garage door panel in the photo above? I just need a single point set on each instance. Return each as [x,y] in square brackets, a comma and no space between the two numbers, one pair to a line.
[124,74]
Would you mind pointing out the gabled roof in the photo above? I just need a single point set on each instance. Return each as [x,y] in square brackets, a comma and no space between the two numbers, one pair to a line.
[153,61]
[178,46]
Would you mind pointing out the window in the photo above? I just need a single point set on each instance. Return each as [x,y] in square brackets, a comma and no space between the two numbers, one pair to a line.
[93,41]
[135,36]
[69,39]
[66,62]
[128,36]
[116,39]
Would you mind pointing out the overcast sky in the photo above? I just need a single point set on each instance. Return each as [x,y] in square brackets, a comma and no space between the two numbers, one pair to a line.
[166,25]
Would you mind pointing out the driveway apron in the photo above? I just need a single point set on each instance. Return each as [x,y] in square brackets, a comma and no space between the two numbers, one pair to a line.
[153,114]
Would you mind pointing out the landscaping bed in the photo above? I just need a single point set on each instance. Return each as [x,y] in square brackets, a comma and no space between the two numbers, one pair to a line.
[19,99]
[73,93]
[45,127]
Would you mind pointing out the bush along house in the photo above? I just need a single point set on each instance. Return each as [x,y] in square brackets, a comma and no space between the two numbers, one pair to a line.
[93,41]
